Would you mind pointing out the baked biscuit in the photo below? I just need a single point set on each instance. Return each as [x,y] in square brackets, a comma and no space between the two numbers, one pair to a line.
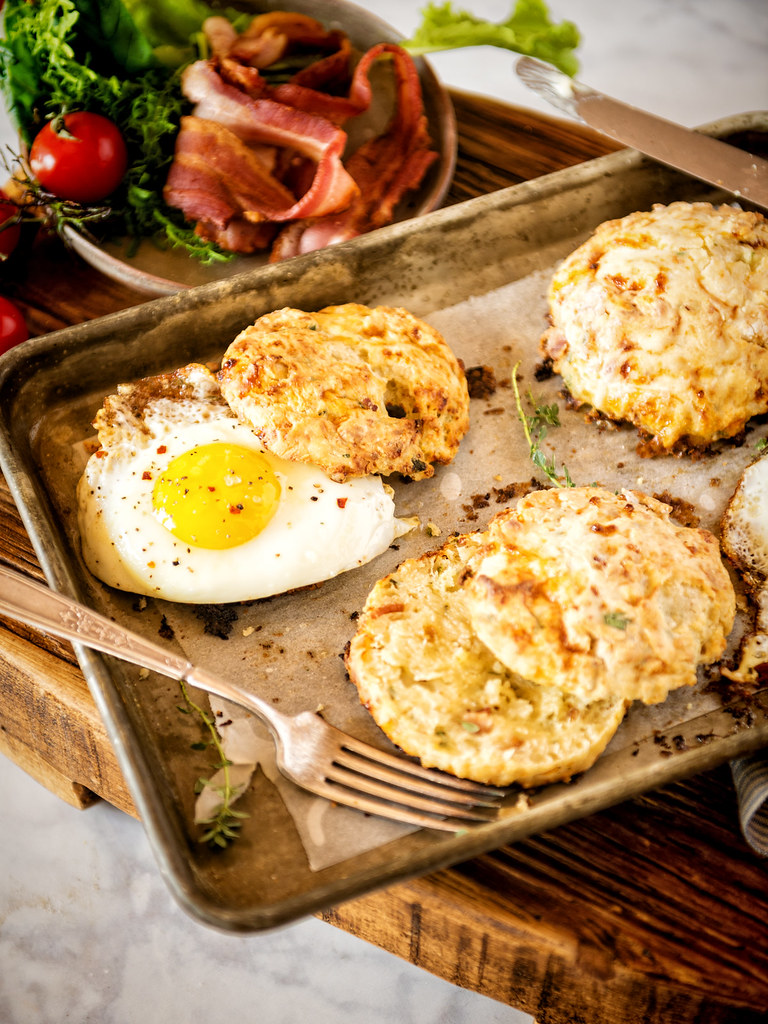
[354,390]
[744,527]
[441,695]
[600,594]
[661,319]
[744,539]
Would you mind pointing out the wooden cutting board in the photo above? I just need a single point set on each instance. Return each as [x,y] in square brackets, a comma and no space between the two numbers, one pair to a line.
[653,911]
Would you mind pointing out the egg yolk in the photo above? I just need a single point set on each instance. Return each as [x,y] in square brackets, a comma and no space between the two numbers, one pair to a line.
[216,495]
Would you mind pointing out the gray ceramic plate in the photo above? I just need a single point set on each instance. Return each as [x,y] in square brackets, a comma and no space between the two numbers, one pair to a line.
[159,272]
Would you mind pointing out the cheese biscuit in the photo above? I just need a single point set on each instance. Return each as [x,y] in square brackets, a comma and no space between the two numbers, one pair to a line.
[353,390]
[660,319]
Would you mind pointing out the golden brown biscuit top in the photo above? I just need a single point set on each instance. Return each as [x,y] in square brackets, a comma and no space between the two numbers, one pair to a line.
[600,594]
[661,319]
[354,390]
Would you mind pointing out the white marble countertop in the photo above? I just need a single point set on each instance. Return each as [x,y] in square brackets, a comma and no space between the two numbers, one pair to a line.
[88,931]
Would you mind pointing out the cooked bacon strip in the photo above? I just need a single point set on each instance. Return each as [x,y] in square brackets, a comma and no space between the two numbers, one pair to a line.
[263,120]
[304,93]
[385,168]
[257,120]
[220,33]
[394,163]
[270,36]
[242,76]
[215,177]
[240,235]
[218,181]
[331,72]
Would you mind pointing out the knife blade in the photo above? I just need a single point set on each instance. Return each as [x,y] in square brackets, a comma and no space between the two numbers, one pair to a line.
[699,155]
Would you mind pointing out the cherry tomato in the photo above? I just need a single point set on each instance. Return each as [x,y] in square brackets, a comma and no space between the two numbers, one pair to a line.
[9,236]
[80,156]
[13,329]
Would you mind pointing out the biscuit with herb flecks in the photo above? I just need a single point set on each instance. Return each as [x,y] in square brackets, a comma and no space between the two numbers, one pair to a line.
[351,389]
[660,319]
[441,695]
[510,655]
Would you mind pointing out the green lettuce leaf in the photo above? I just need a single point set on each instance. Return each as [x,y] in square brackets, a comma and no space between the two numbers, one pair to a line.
[171,26]
[529,30]
[107,32]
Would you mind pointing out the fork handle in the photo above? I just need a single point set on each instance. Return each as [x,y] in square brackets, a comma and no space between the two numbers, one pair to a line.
[36,605]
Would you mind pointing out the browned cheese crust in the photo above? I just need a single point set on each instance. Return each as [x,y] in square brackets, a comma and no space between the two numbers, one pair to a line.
[351,389]
[661,319]
[744,539]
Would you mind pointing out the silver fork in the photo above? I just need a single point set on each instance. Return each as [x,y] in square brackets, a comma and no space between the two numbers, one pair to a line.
[310,751]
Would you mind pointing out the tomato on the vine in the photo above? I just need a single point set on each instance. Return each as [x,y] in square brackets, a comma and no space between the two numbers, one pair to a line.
[9,235]
[13,328]
[79,156]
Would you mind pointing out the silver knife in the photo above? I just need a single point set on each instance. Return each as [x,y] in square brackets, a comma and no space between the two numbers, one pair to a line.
[697,154]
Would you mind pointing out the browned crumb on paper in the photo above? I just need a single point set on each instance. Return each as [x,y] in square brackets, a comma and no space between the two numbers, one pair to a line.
[481,381]
[218,619]
[511,492]
[478,501]
[683,512]
[166,629]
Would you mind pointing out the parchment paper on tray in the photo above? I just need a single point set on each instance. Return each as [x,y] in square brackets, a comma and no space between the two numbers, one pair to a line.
[291,645]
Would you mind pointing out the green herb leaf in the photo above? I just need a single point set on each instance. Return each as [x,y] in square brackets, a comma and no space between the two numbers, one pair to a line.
[528,29]
[112,37]
[617,619]
[224,825]
[535,427]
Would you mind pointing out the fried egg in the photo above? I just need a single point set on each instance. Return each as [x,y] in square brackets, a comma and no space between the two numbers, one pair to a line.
[181,502]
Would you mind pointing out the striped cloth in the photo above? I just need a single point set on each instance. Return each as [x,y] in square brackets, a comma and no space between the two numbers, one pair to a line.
[750,777]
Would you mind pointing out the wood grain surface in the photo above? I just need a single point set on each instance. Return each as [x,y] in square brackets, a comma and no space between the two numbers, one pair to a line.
[653,911]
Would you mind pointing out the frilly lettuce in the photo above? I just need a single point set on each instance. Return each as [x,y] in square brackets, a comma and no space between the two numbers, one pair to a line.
[528,29]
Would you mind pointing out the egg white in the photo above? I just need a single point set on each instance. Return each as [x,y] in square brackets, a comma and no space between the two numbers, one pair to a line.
[320,528]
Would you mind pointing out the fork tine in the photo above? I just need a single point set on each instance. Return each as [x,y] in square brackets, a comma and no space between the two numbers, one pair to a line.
[340,794]
[352,779]
[401,764]
[428,786]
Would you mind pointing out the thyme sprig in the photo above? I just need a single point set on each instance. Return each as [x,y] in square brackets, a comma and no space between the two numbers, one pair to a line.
[223,827]
[34,203]
[536,427]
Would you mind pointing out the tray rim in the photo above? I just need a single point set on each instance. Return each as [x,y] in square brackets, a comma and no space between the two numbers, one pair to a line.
[39,520]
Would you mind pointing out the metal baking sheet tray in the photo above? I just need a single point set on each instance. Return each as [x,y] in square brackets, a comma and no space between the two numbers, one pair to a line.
[478,271]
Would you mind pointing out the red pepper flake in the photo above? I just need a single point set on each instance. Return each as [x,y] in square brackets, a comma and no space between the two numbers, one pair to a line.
[341,502]
[100,454]
[146,475]
[162,449]
[211,489]
[235,509]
